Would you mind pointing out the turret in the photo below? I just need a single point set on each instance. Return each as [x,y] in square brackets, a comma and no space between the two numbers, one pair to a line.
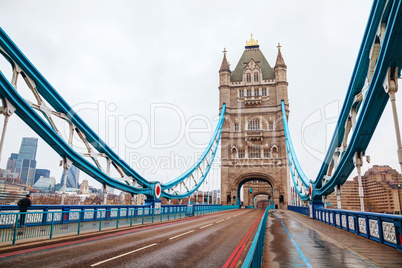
[280,67]
[224,81]
[281,78]
[224,71]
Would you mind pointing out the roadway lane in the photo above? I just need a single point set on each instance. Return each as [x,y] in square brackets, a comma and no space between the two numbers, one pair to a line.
[206,241]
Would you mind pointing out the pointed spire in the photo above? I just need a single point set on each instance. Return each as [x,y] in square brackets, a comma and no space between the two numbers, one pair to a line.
[225,64]
[279,59]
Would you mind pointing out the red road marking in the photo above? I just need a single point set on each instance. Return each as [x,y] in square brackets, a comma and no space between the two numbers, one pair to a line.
[19,252]
[234,258]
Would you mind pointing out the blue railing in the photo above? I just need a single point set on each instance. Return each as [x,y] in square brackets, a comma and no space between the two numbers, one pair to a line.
[254,255]
[42,221]
[301,210]
[382,228]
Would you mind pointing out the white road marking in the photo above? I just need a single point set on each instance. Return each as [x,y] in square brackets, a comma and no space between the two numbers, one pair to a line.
[127,253]
[228,218]
[220,221]
[182,234]
[206,226]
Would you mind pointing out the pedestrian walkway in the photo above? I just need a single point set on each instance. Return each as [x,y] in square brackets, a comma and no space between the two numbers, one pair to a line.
[293,239]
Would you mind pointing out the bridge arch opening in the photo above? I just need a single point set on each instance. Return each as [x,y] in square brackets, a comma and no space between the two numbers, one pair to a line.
[249,186]
[261,200]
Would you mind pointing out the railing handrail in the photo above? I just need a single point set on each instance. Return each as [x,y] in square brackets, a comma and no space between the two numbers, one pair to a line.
[254,255]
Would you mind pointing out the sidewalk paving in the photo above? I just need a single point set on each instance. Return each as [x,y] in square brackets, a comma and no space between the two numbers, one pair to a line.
[379,254]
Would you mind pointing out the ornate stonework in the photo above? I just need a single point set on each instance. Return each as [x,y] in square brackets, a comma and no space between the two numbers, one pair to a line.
[253,140]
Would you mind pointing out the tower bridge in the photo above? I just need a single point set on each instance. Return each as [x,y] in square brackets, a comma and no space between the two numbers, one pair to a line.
[253,141]
[258,159]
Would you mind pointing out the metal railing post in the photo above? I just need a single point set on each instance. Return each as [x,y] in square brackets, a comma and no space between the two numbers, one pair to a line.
[100,219]
[131,218]
[52,226]
[118,216]
[143,212]
[153,212]
[79,223]
[15,228]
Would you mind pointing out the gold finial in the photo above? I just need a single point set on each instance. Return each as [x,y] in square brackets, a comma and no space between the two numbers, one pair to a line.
[252,42]
[279,46]
[224,51]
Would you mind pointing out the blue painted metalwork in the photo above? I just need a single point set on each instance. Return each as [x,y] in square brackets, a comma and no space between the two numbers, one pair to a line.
[293,161]
[299,209]
[255,253]
[367,104]
[76,219]
[382,228]
[22,65]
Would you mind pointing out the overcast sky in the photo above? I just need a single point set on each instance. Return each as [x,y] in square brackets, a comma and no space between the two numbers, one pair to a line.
[119,62]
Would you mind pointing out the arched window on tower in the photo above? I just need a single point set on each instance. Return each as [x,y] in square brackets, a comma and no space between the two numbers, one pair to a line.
[254,124]
[248,77]
[255,77]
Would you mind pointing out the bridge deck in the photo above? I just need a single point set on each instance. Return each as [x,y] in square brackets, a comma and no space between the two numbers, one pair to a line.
[320,245]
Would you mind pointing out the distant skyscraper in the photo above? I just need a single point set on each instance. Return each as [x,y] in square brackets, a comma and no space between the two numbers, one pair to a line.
[26,163]
[72,177]
[41,173]
[12,160]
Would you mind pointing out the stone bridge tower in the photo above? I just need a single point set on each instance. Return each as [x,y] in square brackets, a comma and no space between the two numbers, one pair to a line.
[253,144]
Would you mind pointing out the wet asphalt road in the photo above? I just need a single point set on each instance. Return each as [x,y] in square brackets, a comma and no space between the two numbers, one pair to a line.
[311,248]
[206,241]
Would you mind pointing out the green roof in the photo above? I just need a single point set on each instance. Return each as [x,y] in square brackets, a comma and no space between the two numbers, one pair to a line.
[257,56]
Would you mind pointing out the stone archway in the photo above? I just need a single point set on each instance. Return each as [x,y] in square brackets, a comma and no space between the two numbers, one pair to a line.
[250,179]
[276,189]
[254,195]
[261,200]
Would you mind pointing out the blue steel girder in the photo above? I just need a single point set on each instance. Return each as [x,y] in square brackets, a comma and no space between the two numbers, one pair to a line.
[41,88]
[365,100]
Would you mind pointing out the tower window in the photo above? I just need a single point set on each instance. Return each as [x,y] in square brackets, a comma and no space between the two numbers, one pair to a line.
[241,153]
[248,77]
[267,153]
[237,127]
[241,93]
[256,92]
[255,77]
[264,92]
[254,151]
[254,124]
[248,92]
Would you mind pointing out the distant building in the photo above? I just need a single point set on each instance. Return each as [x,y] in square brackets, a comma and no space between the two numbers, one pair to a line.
[5,173]
[73,176]
[382,188]
[12,160]
[84,188]
[26,163]
[41,173]
[11,190]
[139,199]
[45,184]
